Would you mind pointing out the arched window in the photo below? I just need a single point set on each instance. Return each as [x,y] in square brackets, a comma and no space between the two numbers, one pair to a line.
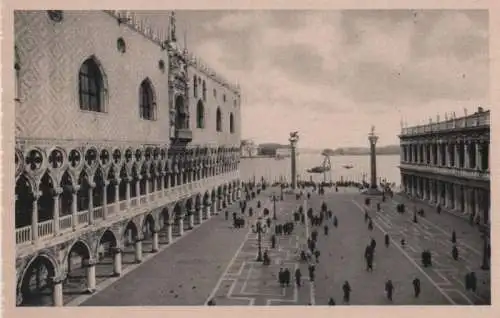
[147,100]
[17,69]
[204,88]
[200,115]
[195,87]
[91,86]
[219,120]
[231,123]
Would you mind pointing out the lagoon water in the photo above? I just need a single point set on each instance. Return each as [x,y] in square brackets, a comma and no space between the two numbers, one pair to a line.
[272,169]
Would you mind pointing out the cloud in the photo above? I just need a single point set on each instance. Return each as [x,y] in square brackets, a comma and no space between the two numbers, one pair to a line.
[331,74]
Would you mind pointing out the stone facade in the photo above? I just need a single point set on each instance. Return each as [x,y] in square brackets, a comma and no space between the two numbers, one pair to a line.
[90,182]
[447,163]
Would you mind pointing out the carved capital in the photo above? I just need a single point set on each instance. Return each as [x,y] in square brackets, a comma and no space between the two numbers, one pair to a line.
[115,250]
[57,191]
[75,188]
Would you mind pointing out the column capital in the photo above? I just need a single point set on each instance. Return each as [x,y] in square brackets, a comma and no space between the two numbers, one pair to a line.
[89,262]
[57,191]
[115,250]
[57,279]
[75,188]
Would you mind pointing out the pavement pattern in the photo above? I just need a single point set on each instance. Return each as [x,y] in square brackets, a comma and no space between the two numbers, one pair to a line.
[218,262]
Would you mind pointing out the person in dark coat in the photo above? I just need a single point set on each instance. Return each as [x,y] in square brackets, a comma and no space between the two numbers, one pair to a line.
[346,288]
[389,289]
[386,240]
[211,302]
[378,206]
[298,277]
[331,302]
[268,221]
[281,278]
[335,221]
[311,269]
[416,286]
[273,241]
[366,216]
[454,252]
[317,254]
[467,282]
[325,228]
[286,276]
[369,258]
[473,281]
[373,244]
[453,237]
[308,195]
[370,225]
[226,215]
[438,208]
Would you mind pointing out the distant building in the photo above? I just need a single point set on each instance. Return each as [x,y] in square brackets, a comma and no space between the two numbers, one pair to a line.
[447,163]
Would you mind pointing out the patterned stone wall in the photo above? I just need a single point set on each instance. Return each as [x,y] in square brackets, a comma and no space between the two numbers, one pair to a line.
[50,56]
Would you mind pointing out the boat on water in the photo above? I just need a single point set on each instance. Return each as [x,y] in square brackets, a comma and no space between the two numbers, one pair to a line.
[318,169]
[349,166]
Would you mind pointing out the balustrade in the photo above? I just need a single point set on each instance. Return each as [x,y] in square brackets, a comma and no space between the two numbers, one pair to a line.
[46,228]
[65,222]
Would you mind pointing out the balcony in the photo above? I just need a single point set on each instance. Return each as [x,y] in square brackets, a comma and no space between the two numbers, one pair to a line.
[114,211]
[464,173]
[183,135]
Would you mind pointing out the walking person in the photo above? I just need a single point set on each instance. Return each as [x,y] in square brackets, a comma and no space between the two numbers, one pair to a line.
[453,237]
[273,241]
[298,277]
[325,228]
[454,252]
[370,225]
[317,254]
[226,215]
[281,278]
[416,286]
[386,240]
[335,221]
[311,269]
[473,281]
[389,289]
[331,302]
[346,288]
[286,276]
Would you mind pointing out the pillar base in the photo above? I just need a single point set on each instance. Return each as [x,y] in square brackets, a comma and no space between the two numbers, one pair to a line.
[116,275]
[90,291]
[154,250]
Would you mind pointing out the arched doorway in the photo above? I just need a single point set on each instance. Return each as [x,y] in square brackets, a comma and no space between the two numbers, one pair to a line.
[23,209]
[148,230]
[77,261]
[130,235]
[36,287]
[106,255]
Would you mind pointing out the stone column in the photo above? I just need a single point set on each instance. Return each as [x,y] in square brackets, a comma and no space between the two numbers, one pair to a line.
[372,138]
[34,218]
[138,250]
[138,189]
[148,176]
[74,206]
[91,281]
[117,261]
[438,154]
[91,203]
[156,241]
[457,154]
[57,291]
[466,153]
[206,209]
[478,156]
[117,195]
[55,216]
[294,138]
[181,225]
[129,180]
[477,197]
[170,225]
[199,210]
[191,218]
[105,199]
[456,188]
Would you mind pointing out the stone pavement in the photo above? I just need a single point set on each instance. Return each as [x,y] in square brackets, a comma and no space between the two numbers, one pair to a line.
[248,282]
[342,258]
[434,232]
[182,273]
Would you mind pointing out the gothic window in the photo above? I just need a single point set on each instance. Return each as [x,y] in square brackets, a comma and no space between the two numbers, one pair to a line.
[200,115]
[219,120]
[204,91]
[195,87]
[91,86]
[121,46]
[231,123]
[17,69]
[147,100]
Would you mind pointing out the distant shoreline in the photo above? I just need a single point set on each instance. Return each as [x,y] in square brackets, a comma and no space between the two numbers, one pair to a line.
[318,153]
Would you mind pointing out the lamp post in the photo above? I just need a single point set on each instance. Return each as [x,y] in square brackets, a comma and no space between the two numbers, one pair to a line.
[259,231]
[274,207]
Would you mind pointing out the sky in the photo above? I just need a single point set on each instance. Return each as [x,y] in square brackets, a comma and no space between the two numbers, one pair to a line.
[332,74]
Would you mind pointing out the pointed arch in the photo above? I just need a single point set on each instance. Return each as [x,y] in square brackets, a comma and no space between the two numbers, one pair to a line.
[147,100]
[218,120]
[200,115]
[92,86]
[231,123]
[24,202]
